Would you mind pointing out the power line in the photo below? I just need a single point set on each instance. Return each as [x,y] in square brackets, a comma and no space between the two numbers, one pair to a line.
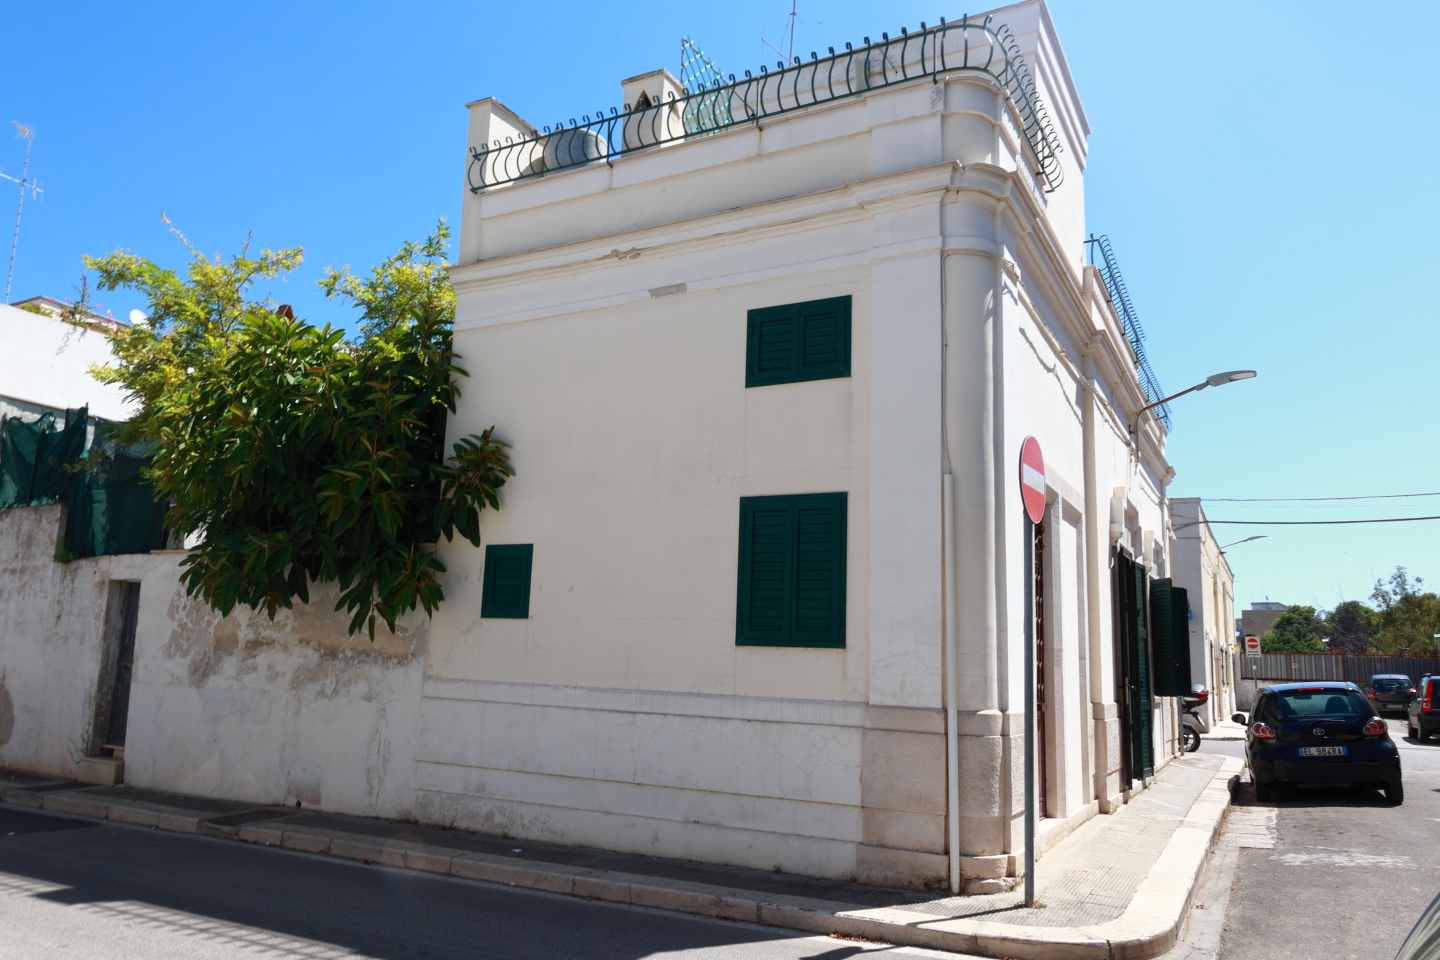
[1377,496]
[1291,523]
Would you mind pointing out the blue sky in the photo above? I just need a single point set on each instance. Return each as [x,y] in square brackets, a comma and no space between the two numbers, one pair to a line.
[1264,171]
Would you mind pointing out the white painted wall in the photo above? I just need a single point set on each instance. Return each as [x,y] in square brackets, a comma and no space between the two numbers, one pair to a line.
[45,362]
[239,707]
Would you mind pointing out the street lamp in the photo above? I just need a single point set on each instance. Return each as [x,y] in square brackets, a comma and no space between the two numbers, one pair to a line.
[1258,536]
[1215,380]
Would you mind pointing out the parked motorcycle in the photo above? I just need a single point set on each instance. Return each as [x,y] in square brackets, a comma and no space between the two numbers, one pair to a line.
[1191,725]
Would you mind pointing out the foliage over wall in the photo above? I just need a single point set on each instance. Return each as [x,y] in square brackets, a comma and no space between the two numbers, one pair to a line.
[294,455]
[1403,622]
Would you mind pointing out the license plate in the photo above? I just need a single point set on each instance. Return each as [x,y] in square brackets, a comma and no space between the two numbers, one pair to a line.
[1392,706]
[1322,751]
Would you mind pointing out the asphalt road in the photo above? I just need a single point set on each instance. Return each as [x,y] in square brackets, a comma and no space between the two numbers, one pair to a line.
[102,891]
[1349,874]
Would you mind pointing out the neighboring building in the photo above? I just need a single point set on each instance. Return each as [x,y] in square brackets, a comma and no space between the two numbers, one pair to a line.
[759,591]
[1201,568]
[45,363]
[1260,618]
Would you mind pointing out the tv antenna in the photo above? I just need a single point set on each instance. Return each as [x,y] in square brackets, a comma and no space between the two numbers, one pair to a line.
[25,184]
[789,57]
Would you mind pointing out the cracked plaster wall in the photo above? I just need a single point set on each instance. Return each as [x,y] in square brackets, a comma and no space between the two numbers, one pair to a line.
[236,707]
[273,712]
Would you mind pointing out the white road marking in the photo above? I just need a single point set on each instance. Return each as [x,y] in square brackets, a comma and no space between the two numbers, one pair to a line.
[1342,860]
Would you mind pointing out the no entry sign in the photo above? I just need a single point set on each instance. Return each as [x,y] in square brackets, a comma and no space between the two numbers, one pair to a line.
[1032,479]
[1252,645]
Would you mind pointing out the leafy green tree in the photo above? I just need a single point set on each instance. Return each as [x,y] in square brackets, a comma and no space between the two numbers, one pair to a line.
[295,456]
[1298,630]
[413,279]
[1351,627]
[1407,616]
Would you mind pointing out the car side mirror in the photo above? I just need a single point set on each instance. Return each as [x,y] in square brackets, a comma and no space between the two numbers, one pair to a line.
[1238,718]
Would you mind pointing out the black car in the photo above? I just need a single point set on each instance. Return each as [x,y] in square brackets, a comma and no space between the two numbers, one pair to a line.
[1391,691]
[1423,715]
[1319,732]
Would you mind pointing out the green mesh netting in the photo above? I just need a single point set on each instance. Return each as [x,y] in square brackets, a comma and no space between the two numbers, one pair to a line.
[112,508]
[33,457]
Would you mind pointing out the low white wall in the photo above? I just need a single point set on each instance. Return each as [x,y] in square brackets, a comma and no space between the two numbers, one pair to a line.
[237,707]
[743,780]
[50,657]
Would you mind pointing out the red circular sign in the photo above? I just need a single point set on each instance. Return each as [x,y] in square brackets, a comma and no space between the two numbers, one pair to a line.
[1032,479]
[1252,644]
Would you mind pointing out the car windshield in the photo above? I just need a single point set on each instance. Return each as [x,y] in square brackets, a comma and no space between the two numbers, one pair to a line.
[1317,704]
[1389,683]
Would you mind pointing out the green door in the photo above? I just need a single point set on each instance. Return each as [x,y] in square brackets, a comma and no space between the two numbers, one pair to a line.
[1133,641]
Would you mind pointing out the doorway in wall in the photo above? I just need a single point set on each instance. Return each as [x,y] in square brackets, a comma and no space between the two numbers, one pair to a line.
[128,596]
[1042,716]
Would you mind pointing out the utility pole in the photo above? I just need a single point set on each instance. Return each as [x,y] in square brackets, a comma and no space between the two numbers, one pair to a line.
[24,183]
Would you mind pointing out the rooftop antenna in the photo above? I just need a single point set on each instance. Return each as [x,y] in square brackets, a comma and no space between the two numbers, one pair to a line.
[789,57]
[24,182]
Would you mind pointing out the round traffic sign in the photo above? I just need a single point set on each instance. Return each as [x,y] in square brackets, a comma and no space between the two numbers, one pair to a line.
[1252,644]
[1032,479]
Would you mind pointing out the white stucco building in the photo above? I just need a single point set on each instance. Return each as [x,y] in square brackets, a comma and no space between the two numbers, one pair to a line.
[1201,568]
[617,308]
[45,364]
[759,593]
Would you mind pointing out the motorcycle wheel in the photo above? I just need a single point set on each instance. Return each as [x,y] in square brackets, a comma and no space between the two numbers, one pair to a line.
[1190,739]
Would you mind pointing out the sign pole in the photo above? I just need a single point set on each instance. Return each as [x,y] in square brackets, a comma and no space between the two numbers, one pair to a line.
[1030,804]
[1032,495]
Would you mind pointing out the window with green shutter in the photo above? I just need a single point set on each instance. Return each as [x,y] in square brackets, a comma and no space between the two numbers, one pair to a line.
[800,341]
[792,571]
[506,592]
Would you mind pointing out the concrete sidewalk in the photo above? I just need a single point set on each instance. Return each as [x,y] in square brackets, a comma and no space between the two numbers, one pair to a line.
[1119,886]
[1224,730]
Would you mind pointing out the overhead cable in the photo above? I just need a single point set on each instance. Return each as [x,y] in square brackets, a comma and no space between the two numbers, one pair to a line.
[1375,496]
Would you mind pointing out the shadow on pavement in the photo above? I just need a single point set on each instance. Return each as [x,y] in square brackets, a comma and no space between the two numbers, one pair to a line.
[300,906]
[1243,795]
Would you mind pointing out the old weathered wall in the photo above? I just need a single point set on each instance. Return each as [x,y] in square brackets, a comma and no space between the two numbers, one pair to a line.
[237,707]
[49,645]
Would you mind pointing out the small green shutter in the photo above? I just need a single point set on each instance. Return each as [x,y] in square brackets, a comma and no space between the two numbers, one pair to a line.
[799,341]
[506,592]
[792,571]
[1170,633]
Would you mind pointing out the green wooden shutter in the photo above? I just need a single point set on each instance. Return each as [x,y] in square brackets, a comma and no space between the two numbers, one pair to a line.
[1145,715]
[506,590]
[799,341]
[792,571]
[1170,631]
[1134,666]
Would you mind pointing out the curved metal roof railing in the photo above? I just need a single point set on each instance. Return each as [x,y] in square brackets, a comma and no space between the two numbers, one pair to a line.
[960,46]
[1129,319]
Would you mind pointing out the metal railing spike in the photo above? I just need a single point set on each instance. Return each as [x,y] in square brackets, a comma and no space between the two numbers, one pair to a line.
[708,105]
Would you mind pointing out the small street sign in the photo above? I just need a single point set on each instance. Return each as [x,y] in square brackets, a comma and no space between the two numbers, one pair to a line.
[1252,646]
[1032,479]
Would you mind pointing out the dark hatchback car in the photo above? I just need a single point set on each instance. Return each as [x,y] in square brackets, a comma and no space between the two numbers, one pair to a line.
[1319,732]
[1422,717]
[1391,692]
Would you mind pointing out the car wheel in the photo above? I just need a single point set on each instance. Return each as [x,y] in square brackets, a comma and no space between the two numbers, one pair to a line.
[1395,793]
[1262,791]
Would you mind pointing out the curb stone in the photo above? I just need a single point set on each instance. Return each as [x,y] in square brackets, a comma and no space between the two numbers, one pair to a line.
[1149,926]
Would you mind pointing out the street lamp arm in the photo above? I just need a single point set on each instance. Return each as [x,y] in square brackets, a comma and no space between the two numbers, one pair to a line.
[1214,380]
